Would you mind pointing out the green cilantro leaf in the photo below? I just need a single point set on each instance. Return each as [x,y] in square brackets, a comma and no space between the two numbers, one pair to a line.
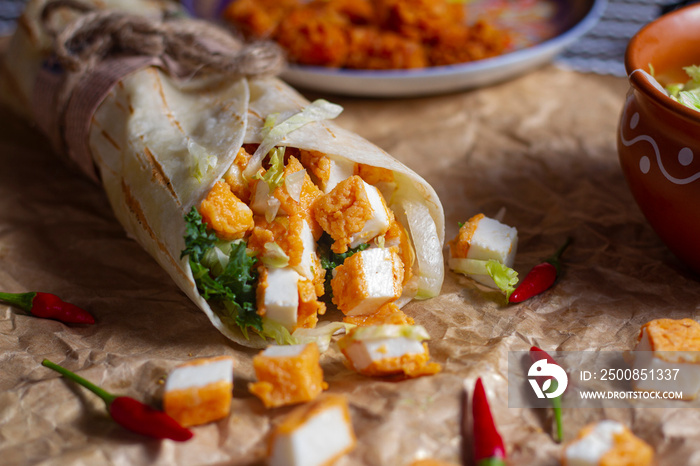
[234,287]
[197,239]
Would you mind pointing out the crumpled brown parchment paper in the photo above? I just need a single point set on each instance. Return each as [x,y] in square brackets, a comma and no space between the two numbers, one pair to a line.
[542,146]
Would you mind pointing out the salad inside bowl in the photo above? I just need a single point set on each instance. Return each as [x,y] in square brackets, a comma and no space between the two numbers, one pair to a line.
[687,93]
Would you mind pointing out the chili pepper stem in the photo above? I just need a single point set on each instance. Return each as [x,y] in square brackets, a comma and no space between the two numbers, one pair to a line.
[537,354]
[556,404]
[491,462]
[21,300]
[106,396]
[555,259]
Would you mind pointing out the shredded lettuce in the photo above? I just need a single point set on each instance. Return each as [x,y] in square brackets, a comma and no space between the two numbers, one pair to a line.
[687,93]
[276,331]
[269,123]
[274,256]
[274,132]
[503,276]
[380,241]
[231,284]
[674,89]
[322,334]
[694,73]
[202,161]
[274,176]
[689,99]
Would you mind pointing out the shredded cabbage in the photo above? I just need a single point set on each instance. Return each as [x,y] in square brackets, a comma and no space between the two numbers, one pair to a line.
[694,73]
[322,334]
[503,276]
[687,93]
[689,99]
[202,161]
[380,241]
[274,176]
[274,256]
[269,123]
[276,331]
[318,110]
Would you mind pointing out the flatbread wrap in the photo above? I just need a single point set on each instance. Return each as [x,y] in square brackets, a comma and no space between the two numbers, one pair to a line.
[242,190]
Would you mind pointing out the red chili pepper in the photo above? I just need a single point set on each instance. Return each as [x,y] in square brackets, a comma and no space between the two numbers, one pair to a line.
[537,354]
[540,278]
[131,413]
[488,444]
[48,306]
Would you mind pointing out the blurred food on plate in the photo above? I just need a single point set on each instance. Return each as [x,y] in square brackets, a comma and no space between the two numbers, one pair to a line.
[364,34]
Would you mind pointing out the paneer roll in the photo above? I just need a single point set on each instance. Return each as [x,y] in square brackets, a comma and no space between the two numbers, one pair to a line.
[247,194]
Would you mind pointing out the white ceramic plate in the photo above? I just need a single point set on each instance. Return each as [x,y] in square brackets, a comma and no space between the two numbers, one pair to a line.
[544,29]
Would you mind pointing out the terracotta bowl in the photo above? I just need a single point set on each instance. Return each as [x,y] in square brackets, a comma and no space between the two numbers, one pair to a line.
[658,139]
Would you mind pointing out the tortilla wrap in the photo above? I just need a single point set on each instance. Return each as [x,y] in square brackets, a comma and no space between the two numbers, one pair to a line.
[151,131]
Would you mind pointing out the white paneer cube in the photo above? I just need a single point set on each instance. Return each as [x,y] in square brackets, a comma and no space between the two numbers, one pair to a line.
[494,240]
[339,171]
[607,440]
[317,433]
[200,374]
[668,346]
[484,239]
[354,212]
[199,391]
[379,350]
[367,280]
[282,296]
[379,221]
[288,375]
[588,450]
[362,353]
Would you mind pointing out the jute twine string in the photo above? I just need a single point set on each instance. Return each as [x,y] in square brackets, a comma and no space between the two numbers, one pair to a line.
[99,48]
[98,34]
